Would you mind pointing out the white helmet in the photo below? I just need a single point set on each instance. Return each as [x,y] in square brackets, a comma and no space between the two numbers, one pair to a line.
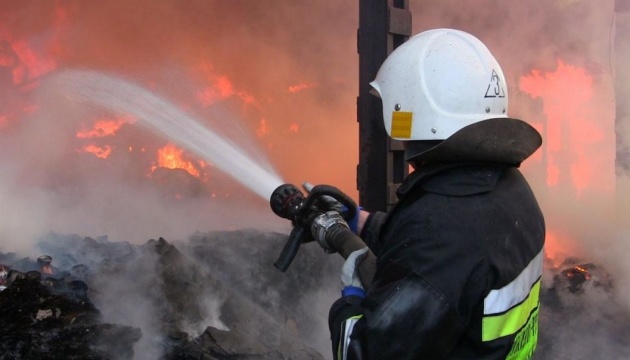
[438,82]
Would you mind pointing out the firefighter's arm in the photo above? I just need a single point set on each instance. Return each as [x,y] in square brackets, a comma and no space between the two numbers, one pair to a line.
[347,312]
[344,315]
[369,228]
[407,319]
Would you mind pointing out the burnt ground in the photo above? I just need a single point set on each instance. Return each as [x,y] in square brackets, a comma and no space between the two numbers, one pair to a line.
[217,296]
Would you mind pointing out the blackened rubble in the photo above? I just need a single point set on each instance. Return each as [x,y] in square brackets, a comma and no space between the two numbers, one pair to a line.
[218,296]
[47,319]
[68,309]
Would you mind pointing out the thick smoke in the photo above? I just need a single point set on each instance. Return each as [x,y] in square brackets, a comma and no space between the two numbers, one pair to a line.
[280,80]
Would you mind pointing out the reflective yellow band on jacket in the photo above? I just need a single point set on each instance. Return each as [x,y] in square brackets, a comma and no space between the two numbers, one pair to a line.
[501,300]
[526,340]
[508,323]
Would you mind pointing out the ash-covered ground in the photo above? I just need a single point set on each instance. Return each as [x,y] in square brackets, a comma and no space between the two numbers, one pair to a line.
[217,296]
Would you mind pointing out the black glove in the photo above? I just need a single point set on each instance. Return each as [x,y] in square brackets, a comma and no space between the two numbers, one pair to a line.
[329,203]
[323,226]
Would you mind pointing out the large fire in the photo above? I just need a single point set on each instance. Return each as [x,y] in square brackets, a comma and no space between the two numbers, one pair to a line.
[578,150]
[576,160]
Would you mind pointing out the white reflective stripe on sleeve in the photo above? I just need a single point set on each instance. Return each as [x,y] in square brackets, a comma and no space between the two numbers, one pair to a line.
[502,300]
[346,331]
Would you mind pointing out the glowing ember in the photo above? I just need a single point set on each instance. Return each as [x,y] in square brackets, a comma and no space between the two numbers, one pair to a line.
[173,158]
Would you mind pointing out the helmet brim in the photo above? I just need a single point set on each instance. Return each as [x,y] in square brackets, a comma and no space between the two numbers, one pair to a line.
[497,140]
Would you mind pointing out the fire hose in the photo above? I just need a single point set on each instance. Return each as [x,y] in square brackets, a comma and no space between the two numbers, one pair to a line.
[288,202]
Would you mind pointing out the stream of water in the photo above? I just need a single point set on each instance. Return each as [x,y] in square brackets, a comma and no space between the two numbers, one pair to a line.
[159,114]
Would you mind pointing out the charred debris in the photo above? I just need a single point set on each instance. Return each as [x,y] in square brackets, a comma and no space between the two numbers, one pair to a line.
[223,299]
[217,296]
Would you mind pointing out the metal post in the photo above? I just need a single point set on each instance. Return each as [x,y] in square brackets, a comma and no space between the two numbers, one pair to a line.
[383,26]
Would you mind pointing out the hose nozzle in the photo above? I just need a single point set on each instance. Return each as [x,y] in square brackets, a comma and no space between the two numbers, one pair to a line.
[286,200]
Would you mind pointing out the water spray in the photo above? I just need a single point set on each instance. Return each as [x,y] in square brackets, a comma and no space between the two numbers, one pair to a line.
[160,115]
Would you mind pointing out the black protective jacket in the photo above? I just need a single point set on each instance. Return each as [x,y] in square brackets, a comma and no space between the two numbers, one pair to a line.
[459,261]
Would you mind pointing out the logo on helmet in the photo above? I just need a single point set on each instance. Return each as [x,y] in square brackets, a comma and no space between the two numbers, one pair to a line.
[495,90]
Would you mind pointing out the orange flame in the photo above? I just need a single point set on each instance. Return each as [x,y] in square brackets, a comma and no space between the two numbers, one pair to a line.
[172,158]
[573,132]
[578,143]
[220,88]
[100,152]
[299,87]
[101,128]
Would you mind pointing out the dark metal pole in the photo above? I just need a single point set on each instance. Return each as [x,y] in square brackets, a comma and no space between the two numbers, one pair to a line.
[383,26]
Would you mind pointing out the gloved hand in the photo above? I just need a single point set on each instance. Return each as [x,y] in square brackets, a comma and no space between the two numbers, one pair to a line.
[321,228]
[329,203]
[350,274]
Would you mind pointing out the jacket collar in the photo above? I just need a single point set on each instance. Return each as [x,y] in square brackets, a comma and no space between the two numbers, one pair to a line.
[456,179]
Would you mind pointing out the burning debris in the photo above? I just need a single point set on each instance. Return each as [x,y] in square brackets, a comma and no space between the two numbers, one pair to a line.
[581,316]
[579,274]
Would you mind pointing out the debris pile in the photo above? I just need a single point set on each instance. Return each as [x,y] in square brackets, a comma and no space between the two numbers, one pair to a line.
[49,318]
[581,317]
[217,295]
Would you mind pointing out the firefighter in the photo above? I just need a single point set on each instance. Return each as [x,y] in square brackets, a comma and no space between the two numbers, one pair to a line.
[459,257]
